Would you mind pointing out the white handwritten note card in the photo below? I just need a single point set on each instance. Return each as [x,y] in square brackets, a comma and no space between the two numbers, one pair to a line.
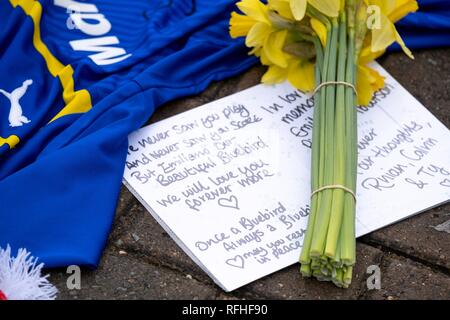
[229,181]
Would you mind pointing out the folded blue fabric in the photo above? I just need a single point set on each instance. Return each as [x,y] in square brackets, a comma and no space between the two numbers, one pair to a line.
[429,27]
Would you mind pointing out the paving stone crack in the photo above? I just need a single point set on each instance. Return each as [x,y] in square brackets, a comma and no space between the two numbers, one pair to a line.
[387,249]
[137,255]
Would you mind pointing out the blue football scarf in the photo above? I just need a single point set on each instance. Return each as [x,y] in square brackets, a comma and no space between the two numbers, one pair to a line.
[77,77]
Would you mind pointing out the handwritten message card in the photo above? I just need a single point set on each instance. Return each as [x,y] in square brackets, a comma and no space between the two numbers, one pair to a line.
[229,181]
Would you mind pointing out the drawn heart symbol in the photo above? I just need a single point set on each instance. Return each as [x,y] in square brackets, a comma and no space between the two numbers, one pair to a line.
[445,183]
[237,262]
[231,202]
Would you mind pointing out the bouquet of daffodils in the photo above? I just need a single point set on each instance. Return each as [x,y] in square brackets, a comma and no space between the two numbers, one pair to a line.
[324,47]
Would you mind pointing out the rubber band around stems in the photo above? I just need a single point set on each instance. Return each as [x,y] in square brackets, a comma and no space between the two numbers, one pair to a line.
[327,83]
[334,186]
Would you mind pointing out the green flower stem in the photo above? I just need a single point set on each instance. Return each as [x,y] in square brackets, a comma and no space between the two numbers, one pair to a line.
[313,12]
[339,145]
[324,210]
[347,279]
[338,277]
[348,254]
[305,270]
[336,259]
[315,154]
[315,265]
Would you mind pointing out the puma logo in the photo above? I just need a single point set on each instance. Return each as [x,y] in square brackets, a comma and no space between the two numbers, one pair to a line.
[16,117]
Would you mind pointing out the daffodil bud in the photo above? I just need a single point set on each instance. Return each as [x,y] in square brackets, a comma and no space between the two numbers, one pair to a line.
[304,50]
[303,26]
[360,26]
[278,21]
[351,11]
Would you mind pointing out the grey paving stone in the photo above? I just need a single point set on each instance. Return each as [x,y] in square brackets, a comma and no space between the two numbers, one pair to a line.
[417,238]
[142,236]
[402,278]
[122,276]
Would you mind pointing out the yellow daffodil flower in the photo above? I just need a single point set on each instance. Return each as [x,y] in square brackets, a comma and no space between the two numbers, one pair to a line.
[299,73]
[283,8]
[369,80]
[240,25]
[329,8]
[296,9]
[267,39]
[320,30]
[259,31]
[401,9]
[385,33]
[254,12]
